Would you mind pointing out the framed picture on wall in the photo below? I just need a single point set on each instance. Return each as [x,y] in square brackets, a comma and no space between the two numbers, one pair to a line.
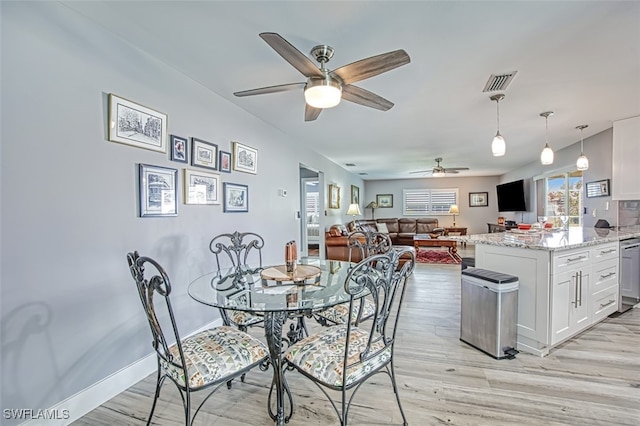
[478,199]
[158,195]
[334,196]
[133,124]
[245,158]
[384,200]
[201,187]
[355,195]
[225,161]
[236,198]
[204,154]
[178,148]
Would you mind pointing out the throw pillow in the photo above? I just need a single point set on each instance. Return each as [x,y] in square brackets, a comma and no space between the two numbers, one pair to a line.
[382,227]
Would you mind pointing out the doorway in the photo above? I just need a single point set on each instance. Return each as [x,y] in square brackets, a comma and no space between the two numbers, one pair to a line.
[312,213]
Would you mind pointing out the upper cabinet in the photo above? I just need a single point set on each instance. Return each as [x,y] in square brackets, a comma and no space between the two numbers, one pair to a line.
[625,183]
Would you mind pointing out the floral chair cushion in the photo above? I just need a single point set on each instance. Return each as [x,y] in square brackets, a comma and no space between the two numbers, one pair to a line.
[322,355]
[337,314]
[214,354]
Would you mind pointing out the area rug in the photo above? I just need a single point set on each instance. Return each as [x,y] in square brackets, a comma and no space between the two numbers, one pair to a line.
[437,256]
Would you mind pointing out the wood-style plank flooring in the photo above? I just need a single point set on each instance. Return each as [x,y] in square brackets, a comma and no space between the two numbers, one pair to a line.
[592,379]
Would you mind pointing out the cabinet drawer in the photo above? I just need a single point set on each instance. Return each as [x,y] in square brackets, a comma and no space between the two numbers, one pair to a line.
[604,274]
[605,252]
[572,259]
[603,304]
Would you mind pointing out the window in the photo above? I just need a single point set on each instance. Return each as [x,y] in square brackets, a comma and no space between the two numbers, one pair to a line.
[562,196]
[420,202]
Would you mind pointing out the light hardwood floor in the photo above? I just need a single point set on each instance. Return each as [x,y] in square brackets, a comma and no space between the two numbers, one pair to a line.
[593,379]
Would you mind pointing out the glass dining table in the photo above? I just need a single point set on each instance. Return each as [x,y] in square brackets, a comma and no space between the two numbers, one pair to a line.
[278,299]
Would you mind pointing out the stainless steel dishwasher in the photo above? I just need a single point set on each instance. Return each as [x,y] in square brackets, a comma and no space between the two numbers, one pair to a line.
[629,274]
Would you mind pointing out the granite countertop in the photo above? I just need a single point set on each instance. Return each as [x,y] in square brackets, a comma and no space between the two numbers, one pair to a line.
[551,240]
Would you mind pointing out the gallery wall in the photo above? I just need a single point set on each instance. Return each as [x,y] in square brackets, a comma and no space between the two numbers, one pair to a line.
[71,316]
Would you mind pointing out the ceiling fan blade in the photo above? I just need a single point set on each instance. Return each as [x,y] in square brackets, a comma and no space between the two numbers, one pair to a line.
[270,89]
[451,172]
[455,169]
[311,113]
[370,67]
[420,171]
[364,97]
[292,55]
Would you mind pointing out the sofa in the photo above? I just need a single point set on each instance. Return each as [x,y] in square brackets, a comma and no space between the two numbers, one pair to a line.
[401,232]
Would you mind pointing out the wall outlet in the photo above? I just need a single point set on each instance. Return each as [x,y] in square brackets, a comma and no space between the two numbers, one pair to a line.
[593,213]
[282,192]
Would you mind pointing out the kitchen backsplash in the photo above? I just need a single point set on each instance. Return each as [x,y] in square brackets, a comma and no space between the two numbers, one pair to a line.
[628,213]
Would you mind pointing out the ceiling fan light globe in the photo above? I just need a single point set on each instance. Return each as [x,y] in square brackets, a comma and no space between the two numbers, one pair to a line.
[498,146]
[438,174]
[322,93]
[546,156]
[582,163]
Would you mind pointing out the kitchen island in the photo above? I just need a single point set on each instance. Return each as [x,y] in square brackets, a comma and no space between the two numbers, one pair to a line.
[569,280]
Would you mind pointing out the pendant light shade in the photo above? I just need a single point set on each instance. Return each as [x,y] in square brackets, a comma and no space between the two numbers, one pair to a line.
[583,161]
[546,156]
[498,146]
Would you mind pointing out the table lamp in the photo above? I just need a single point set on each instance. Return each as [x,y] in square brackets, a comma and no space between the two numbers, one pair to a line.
[454,210]
[354,210]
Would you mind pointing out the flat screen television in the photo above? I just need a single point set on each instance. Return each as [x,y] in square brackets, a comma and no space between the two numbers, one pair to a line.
[511,197]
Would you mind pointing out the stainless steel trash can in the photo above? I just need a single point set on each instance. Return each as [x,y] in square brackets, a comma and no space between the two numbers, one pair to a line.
[489,311]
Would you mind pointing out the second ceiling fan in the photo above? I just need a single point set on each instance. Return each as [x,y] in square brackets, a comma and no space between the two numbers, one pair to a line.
[439,171]
[324,88]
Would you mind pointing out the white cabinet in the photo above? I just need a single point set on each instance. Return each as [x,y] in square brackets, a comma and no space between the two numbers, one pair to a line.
[625,183]
[570,293]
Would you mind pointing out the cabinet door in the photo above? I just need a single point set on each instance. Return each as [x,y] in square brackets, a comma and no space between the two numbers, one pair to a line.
[626,156]
[569,304]
[580,314]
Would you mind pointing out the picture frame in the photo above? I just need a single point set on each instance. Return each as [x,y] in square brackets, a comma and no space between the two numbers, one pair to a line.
[355,195]
[478,199]
[598,188]
[133,124]
[225,161]
[158,195]
[178,149]
[384,201]
[201,187]
[204,154]
[334,196]
[236,198]
[245,158]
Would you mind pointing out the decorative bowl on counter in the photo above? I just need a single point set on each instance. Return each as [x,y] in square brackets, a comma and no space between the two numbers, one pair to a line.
[524,226]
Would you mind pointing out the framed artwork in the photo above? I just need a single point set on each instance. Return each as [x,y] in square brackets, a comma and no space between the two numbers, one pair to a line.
[158,191]
[355,195]
[334,196]
[225,161]
[236,198]
[384,200]
[245,158]
[201,187]
[478,199]
[599,188]
[133,124]
[178,148]
[204,154]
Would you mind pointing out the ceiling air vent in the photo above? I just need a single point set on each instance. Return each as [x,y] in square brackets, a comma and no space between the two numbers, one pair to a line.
[350,165]
[498,83]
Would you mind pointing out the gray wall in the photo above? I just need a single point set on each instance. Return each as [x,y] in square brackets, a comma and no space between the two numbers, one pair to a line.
[474,218]
[597,148]
[70,312]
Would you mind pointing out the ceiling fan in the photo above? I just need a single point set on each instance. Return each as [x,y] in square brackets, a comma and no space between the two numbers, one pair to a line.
[324,88]
[439,171]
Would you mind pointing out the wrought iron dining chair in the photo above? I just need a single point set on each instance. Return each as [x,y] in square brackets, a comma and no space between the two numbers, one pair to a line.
[204,361]
[241,254]
[362,244]
[343,357]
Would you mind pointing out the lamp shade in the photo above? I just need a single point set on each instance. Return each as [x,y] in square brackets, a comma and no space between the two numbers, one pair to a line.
[322,93]
[453,209]
[498,146]
[354,210]
[546,156]
[582,163]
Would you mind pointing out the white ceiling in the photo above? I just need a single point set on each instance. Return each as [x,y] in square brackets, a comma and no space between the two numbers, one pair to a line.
[578,59]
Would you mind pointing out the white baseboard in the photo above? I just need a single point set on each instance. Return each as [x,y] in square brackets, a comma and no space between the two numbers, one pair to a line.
[76,406]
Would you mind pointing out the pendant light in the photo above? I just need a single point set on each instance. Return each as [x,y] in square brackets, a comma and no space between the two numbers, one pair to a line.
[498,146]
[583,161]
[546,156]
